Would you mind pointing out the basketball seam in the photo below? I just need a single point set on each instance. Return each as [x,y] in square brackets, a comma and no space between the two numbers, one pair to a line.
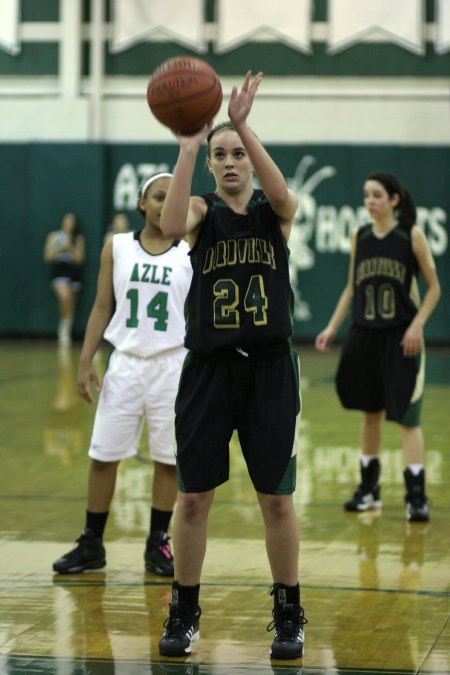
[183,95]
[185,99]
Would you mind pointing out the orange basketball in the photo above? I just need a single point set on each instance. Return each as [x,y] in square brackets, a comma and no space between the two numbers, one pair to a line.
[184,93]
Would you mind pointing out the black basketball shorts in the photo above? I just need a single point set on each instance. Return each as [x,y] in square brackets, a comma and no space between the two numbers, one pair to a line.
[374,375]
[257,396]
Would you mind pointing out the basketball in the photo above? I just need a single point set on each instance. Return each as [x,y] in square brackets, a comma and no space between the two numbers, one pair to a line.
[184,93]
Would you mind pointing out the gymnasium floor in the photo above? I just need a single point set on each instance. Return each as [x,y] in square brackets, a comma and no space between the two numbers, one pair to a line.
[376,590]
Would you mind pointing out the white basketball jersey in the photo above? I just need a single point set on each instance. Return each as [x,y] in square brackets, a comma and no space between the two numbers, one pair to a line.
[150,291]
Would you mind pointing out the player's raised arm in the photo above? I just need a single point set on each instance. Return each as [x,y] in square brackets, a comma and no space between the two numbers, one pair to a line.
[180,214]
[283,201]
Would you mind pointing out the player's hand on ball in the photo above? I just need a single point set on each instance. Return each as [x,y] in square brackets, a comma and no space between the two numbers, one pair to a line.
[193,140]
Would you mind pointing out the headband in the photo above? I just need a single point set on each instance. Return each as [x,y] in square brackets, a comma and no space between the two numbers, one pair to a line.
[151,180]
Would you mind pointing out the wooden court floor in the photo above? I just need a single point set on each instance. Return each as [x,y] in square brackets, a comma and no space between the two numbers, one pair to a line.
[376,590]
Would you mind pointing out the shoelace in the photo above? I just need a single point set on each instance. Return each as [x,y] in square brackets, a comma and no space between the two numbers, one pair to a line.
[178,622]
[286,623]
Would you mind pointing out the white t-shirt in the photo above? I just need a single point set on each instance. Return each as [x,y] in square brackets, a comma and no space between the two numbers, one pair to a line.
[150,291]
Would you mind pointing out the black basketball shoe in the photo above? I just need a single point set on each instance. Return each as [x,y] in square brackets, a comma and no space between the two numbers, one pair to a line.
[288,622]
[182,628]
[368,493]
[415,498]
[158,556]
[88,555]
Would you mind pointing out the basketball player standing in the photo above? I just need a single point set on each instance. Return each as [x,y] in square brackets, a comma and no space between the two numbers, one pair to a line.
[382,364]
[241,371]
[147,275]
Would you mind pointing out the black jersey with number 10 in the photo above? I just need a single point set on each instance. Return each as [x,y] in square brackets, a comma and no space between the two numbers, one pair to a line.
[240,296]
[385,290]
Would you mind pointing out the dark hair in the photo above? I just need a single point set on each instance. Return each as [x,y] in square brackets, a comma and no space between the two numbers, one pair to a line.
[76,228]
[406,208]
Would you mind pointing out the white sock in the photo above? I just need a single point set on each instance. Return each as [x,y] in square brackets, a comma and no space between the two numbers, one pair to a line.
[64,330]
[415,468]
[366,459]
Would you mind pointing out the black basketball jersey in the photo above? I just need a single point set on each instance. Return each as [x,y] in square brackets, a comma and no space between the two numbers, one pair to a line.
[385,277]
[240,295]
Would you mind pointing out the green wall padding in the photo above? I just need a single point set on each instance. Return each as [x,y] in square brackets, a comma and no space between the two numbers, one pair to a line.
[41,181]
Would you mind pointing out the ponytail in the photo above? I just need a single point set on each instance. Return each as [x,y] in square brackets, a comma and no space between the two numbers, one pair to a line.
[407,210]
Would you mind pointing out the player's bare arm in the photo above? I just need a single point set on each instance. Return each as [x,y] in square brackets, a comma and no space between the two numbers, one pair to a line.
[326,337]
[413,339]
[98,320]
[283,201]
[177,220]
[79,250]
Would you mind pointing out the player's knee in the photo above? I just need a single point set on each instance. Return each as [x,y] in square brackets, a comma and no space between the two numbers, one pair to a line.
[277,507]
[194,505]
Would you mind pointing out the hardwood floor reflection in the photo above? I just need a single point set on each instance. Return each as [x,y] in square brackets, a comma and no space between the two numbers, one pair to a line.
[375,589]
